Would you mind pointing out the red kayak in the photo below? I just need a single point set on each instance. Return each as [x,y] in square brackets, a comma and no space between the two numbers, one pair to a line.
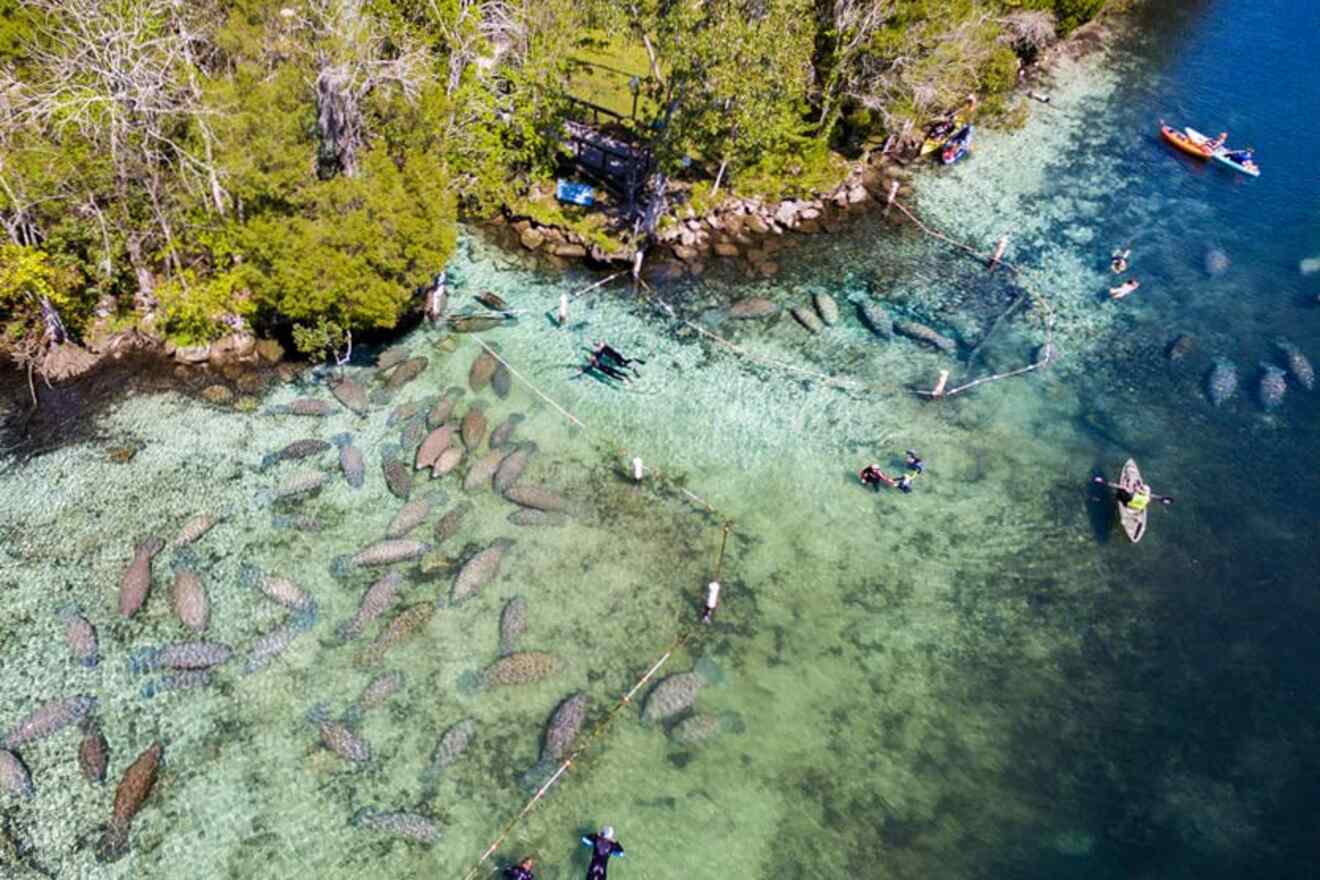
[1180,141]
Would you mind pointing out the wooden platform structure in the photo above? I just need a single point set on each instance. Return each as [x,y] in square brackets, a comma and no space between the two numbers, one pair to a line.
[608,161]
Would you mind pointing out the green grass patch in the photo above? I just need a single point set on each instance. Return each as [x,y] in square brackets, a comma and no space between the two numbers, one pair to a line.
[602,67]
[593,224]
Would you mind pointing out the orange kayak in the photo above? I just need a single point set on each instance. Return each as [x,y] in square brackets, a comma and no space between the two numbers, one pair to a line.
[1182,142]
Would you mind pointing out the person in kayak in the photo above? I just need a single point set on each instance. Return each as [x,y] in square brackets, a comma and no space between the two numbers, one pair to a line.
[1124,289]
[1138,499]
[1119,264]
[521,871]
[603,848]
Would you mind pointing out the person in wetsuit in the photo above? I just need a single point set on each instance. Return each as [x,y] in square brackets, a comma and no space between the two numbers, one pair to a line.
[597,364]
[603,848]
[521,871]
[872,476]
[916,467]
[605,351]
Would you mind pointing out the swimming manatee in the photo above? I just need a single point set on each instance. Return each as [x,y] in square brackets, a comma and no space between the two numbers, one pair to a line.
[184,680]
[188,598]
[826,307]
[524,667]
[306,406]
[752,307]
[513,624]
[1223,381]
[14,776]
[536,497]
[482,471]
[398,476]
[293,486]
[502,382]
[352,395]
[444,407]
[295,451]
[403,413]
[49,718]
[375,601]
[277,588]
[447,526]
[405,373]
[451,746]
[93,752]
[528,517]
[338,738]
[563,726]
[473,427]
[392,357]
[877,320]
[410,620]
[376,693]
[411,436]
[194,528]
[671,696]
[922,333]
[133,789]
[1273,384]
[1181,346]
[351,463]
[409,517]
[511,469]
[478,571]
[80,636]
[411,826]
[277,641]
[135,582]
[385,552]
[433,445]
[483,368]
[1298,364]
[503,433]
[1216,262]
[448,460]
[181,655]
[807,317]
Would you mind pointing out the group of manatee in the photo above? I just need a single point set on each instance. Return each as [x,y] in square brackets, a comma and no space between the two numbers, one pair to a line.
[1222,380]
[434,443]
[823,311]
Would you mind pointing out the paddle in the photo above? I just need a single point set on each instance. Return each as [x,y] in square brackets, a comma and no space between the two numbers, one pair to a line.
[1162,499]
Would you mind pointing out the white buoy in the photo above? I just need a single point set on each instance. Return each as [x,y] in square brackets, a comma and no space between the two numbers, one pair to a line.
[637,469]
[563,309]
[938,390]
[712,600]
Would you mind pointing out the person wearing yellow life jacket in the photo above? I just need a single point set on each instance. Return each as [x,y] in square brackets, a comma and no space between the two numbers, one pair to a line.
[1138,499]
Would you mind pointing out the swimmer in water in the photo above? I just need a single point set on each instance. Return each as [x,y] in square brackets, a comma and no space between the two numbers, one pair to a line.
[603,848]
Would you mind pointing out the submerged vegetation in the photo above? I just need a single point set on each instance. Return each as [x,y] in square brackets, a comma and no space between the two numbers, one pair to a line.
[195,169]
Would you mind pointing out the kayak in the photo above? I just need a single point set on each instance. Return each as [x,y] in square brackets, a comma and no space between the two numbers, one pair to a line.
[1180,141]
[1134,521]
[939,133]
[958,145]
[1239,160]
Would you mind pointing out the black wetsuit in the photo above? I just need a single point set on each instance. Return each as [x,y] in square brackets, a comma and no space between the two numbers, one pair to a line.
[518,872]
[597,363]
[601,852]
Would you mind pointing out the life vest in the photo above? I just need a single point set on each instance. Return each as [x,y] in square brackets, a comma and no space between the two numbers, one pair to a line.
[1140,499]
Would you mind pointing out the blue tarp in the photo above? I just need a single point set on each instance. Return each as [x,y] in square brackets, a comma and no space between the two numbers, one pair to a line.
[575,193]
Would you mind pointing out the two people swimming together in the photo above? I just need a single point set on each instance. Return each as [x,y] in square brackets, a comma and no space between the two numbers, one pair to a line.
[605,360]
[1118,264]
[603,845]
[872,476]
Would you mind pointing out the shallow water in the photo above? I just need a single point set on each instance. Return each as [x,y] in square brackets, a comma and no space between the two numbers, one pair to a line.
[978,679]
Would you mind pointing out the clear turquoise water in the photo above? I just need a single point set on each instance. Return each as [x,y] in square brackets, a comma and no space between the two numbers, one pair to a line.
[978,679]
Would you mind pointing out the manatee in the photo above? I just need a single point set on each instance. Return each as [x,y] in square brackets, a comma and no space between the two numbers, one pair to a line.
[404,412]
[301,483]
[536,497]
[385,552]
[1223,381]
[1181,346]
[877,320]
[512,467]
[491,300]
[80,636]
[398,476]
[474,323]
[922,333]
[524,667]
[529,517]
[752,307]
[695,729]
[413,826]
[481,472]
[296,451]
[435,443]
[336,737]
[49,718]
[473,427]
[826,307]
[806,316]
[513,624]
[1298,364]
[276,642]
[405,373]
[177,681]
[352,395]
[447,461]
[310,406]
[1273,384]
[409,517]
[136,579]
[502,382]
[375,602]
[392,357]
[194,528]
[412,435]
[412,619]
[503,433]
[1216,261]
[478,571]
[376,693]
[14,775]
[563,727]
[189,600]
[448,524]
[451,746]
[483,368]
[350,460]
[281,589]
[93,753]
[181,655]
[443,408]
[133,789]
[671,696]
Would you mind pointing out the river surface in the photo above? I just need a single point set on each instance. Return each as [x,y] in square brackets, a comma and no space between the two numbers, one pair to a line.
[983,678]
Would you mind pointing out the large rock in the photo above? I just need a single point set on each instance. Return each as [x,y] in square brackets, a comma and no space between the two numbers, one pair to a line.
[726,249]
[270,351]
[756,224]
[569,251]
[192,354]
[786,213]
[686,254]
[531,238]
[234,348]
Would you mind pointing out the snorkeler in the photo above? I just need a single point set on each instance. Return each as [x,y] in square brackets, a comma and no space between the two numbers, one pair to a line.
[605,350]
[1124,289]
[603,848]
[872,476]
[521,871]
[916,467]
[596,364]
[1119,264]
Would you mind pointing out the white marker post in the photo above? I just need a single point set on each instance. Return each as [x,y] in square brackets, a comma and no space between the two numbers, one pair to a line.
[712,601]
[637,469]
[563,309]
